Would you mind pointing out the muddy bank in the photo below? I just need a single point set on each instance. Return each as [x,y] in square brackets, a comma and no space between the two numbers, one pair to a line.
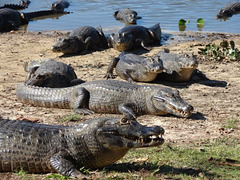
[215,101]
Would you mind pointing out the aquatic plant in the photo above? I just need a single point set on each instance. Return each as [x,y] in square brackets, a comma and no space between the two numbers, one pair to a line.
[224,51]
[182,25]
[200,23]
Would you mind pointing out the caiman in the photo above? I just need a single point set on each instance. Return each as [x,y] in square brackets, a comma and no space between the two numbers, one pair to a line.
[134,36]
[42,148]
[11,19]
[81,39]
[177,67]
[132,67]
[50,73]
[60,5]
[127,16]
[229,11]
[22,5]
[108,96]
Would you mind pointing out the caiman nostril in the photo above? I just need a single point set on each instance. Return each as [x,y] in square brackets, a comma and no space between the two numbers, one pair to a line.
[158,129]
[189,108]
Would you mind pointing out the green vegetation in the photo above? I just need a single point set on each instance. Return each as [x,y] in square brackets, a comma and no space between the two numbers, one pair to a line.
[57,176]
[200,23]
[182,24]
[71,117]
[231,123]
[21,172]
[219,159]
[224,51]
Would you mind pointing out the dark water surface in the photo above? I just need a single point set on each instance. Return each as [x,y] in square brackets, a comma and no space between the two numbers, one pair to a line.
[166,12]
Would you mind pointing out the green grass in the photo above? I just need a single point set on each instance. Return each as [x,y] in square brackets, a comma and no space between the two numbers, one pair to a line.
[21,173]
[70,117]
[207,160]
[231,123]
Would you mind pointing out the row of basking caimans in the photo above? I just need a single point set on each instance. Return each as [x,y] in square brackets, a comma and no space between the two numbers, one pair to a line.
[41,148]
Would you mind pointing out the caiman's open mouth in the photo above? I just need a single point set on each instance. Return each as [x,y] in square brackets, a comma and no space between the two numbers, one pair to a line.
[180,111]
[151,140]
[145,139]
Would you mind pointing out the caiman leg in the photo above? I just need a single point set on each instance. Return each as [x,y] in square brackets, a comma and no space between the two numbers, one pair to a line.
[128,113]
[142,43]
[126,75]
[64,164]
[111,66]
[81,102]
[89,43]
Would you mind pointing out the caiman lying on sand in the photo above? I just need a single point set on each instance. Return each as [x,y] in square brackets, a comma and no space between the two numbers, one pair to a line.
[42,148]
[134,36]
[81,39]
[50,73]
[11,19]
[108,96]
[132,67]
[177,67]
[229,11]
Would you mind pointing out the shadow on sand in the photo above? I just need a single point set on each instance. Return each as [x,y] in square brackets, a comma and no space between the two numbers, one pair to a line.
[154,168]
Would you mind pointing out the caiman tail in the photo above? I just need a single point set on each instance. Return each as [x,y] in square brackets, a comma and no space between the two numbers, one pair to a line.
[32,15]
[45,97]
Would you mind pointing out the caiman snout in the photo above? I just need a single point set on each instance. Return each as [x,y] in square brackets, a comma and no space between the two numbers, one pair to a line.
[158,129]
[188,110]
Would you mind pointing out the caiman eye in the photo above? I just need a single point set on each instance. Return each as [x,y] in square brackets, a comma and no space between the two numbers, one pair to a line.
[170,95]
[124,121]
[150,59]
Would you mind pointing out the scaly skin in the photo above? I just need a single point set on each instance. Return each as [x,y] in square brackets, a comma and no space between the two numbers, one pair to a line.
[132,67]
[228,11]
[134,36]
[127,16]
[177,67]
[41,148]
[81,39]
[108,96]
[50,73]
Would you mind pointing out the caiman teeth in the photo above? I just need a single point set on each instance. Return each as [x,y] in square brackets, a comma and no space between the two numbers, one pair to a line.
[146,140]
[184,113]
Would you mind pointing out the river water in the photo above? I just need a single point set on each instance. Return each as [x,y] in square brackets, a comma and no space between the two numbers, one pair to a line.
[166,12]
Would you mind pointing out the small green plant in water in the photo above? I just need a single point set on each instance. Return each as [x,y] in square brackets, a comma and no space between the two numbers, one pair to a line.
[182,24]
[200,23]
[224,51]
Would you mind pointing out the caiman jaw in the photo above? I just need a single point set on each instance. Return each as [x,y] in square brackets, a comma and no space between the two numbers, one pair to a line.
[180,111]
[183,112]
[148,141]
